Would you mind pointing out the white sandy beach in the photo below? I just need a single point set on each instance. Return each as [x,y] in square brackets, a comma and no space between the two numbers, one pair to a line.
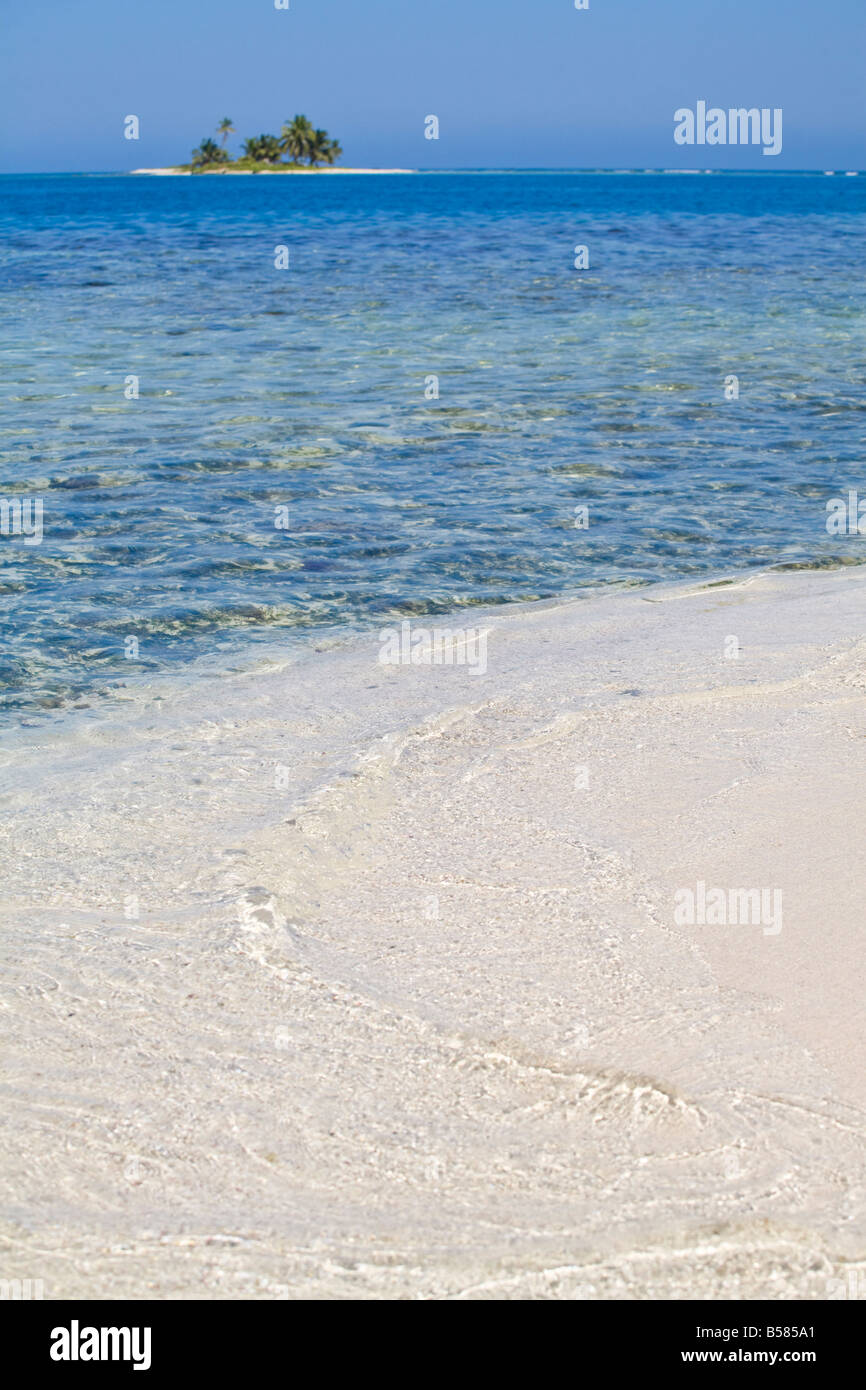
[329,170]
[406,1011]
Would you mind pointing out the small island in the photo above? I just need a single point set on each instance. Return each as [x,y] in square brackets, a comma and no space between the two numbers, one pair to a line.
[300,148]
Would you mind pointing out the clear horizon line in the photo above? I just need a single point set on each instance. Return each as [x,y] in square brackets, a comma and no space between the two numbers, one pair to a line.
[456,169]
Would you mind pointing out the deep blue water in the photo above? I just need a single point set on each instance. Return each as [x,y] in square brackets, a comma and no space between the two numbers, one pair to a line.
[262,388]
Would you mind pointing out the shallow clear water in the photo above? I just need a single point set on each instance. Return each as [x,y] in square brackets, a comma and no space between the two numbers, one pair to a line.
[263,388]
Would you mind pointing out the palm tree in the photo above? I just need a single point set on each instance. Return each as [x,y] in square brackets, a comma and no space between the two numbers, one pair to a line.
[207,153]
[265,149]
[225,129]
[296,138]
[271,149]
[318,147]
[322,150]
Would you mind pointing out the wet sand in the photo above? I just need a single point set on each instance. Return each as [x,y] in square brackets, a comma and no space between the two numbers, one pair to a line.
[341,979]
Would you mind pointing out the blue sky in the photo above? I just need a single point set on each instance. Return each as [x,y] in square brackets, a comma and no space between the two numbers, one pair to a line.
[515,83]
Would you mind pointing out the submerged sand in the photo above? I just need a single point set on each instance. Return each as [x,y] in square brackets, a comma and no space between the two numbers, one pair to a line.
[337,979]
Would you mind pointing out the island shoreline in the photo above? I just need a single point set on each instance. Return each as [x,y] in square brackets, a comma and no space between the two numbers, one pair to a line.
[189,173]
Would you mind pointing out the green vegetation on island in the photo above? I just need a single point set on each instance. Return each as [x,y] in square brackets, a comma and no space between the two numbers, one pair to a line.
[298,146]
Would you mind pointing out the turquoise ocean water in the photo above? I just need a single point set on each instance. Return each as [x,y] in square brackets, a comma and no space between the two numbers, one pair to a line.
[263,389]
